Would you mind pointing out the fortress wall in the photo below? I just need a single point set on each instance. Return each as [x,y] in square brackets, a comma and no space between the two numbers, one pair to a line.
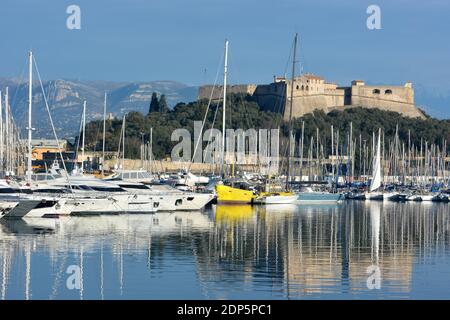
[390,98]
[313,93]
[271,97]
[334,98]
[204,92]
[391,93]
[406,109]
[306,104]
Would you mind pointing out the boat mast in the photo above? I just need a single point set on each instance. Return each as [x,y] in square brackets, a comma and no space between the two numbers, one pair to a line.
[123,144]
[30,105]
[104,133]
[150,156]
[84,134]
[332,153]
[290,109]
[225,71]
[7,145]
[301,150]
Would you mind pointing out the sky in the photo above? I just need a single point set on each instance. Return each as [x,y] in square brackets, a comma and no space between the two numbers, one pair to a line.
[182,40]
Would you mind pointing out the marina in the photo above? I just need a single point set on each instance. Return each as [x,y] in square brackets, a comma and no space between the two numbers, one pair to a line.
[224,151]
[399,172]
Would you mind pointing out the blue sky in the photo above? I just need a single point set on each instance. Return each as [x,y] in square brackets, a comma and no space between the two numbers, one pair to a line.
[139,40]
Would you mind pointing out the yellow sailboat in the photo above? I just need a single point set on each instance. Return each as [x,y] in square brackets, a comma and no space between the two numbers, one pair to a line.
[242,192]
[239,191]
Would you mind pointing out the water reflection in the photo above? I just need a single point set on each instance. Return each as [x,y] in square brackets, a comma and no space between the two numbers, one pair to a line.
[279,251]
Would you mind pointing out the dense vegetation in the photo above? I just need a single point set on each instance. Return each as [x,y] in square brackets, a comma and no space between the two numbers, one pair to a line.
[244,113]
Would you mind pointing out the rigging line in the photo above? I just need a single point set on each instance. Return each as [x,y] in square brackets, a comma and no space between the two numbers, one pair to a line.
[51,122]
[206,113]
[218,103]
[217,109]
[215,115]
[291,55]
[279,102]
[79,137]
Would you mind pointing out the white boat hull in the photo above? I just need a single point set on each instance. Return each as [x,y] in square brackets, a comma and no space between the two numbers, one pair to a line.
[277,199]
[374,196]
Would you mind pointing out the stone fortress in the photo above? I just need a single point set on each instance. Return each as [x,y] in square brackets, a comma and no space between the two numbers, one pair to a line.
[314,93]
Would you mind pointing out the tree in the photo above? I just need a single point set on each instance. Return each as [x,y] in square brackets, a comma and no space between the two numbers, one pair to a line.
[154,104]
[163,106]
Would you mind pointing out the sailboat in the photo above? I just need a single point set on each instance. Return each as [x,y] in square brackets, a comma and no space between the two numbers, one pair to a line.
[288,196]
[231,191]
[240,191]
[374,191]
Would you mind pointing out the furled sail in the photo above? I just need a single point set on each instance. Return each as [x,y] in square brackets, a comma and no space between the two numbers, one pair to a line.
[376,175]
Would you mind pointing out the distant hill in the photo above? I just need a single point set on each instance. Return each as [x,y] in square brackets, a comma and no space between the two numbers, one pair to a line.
[65,98]
[435,102]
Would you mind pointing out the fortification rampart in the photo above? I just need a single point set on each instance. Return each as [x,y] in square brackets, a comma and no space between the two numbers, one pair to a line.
[311,93]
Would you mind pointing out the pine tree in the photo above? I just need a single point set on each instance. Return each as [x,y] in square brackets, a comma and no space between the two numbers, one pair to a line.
[154,103]
[163,106]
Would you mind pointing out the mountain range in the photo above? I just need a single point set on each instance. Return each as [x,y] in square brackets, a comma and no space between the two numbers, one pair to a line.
[65,99]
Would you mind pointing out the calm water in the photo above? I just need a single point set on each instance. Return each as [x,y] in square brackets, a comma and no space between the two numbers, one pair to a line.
[233,252]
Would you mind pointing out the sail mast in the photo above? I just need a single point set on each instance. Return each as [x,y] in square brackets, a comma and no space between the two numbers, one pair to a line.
[123,143]
[290,109]
[30,105]
[84,134]
[225,71]
[7,145]
[104,133]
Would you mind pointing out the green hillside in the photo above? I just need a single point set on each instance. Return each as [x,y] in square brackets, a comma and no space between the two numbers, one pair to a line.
[244,113]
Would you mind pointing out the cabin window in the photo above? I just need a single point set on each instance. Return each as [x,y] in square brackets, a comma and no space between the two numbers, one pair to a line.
[307,88]
[376,91]
[51,190]
[108,189]
[298,87]
[133,186]
[178,202]
[388,91]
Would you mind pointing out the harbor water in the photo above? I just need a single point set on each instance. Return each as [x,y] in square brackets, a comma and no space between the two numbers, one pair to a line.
[350,250]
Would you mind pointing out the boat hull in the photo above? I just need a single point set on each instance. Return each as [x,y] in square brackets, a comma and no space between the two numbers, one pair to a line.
[277,199]
[319,197]
[374,196]
[227,194]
